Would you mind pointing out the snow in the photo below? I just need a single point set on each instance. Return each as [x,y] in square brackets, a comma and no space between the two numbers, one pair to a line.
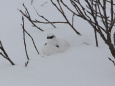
[82,64]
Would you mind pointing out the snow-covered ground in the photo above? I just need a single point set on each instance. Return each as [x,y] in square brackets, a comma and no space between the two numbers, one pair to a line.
[83,64]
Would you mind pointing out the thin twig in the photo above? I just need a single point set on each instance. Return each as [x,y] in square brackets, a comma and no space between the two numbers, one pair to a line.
[112,61]
[44,3]
[73,19]
[5,55]
[31,39]
[44,18]
[114,38]
[24,39]
[60,9]
[26,63]
[55,22]
[27,15]
[32,2]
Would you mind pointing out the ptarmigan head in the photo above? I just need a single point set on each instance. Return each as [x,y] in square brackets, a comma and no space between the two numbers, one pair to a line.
[51,36]
[51,39]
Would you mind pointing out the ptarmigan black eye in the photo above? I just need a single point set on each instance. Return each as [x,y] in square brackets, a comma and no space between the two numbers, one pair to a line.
[57,46]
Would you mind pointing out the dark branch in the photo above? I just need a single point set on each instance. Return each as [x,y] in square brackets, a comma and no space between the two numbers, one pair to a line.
[60,9]
[5,55]
[24,38]
[29,36]
[45,19]
[112,61]
[27,15]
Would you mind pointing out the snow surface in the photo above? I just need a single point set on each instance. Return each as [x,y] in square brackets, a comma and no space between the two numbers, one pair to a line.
[82,64]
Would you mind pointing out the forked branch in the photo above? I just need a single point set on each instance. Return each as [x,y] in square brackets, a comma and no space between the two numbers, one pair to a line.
[4,54]
[24,38]
[27,15]
[61,10]
[24,31]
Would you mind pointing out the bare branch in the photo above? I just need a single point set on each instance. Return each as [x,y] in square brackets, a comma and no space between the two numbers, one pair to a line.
[45,18]
[26,63]
[27,15]
[24,39]
[112,61]
[37,21]
[29,36]
[60,9]
[32,2]
[73,19]
[56,7]
[44,3]
[5,55]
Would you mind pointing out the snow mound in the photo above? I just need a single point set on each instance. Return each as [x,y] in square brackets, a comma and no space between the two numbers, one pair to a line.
[54,45]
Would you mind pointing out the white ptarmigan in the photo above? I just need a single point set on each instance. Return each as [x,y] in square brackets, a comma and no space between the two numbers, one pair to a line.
[54,45]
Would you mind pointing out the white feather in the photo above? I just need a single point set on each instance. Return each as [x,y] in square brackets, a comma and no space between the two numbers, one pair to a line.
[55,45]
